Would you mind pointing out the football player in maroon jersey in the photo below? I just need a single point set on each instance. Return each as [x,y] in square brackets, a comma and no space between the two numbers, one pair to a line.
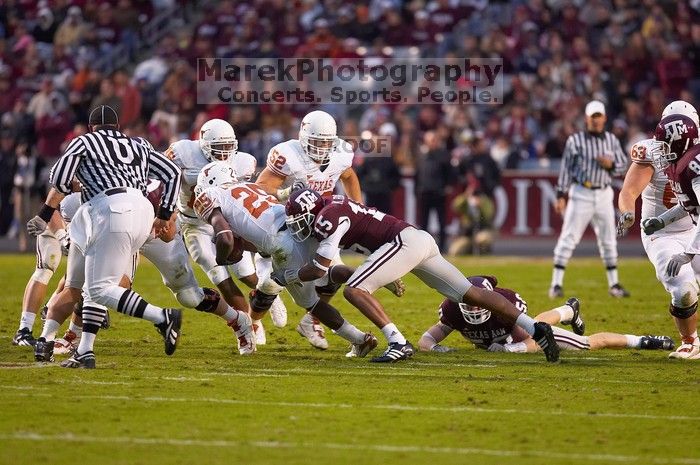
[680,158]
[492,333]
[394,248]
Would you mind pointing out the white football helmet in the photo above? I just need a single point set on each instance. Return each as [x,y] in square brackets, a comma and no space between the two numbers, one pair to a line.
[474,315]
[218,140]
[215,174]
[681,107]
[318,136]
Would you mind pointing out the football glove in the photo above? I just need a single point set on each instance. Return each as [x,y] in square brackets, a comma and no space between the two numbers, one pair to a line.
[64,240]
[676,262]
[651,225]
[624,222]
[36,226]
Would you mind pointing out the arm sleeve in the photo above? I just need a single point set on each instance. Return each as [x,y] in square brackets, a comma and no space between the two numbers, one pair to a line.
[566,166]
[620,163]
[673,214]
[63,171]
[328,248]
[163,169]
[694,246]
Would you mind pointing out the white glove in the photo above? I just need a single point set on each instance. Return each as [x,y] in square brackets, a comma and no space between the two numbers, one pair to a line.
[624,222]
[496,347]
[676,262]
[651,225]
[36,226]
[64,240]
[441,349]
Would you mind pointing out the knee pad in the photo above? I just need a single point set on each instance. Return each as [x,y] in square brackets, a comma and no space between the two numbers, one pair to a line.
[260,301]
[328,289]
[42,275]
[190,297]
[683,313]
[269,286]
[685,295]
[218,274]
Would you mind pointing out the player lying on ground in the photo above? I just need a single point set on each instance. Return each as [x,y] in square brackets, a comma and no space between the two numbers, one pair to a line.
[167,252]
[318,159]
[395,248]
[490,332]
[244,217]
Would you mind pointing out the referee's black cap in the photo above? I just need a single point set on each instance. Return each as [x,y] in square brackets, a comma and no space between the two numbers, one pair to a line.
[103,115]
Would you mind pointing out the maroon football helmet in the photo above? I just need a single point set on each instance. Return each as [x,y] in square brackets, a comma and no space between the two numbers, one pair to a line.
[301,209]
[677,133]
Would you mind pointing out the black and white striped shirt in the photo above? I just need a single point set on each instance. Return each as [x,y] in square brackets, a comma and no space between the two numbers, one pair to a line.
[107,158]
[579,163]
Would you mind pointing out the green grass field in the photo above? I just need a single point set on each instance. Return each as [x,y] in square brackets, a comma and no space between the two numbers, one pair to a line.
[293,404]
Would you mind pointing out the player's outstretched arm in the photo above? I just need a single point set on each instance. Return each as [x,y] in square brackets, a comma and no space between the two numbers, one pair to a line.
[636,180]
[431,339]
[351,185]
[271,182]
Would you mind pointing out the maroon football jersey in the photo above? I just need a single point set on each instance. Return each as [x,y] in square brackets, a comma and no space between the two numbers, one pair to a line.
[492,330]
[681,175]
[369,228]
[155,192]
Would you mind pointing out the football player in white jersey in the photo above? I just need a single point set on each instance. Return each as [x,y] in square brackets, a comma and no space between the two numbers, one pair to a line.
[318,159]
[217,142]
[243,216]
[660,245]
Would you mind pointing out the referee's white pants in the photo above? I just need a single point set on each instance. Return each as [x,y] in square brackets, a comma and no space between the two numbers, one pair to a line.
[109,230]
[588,206]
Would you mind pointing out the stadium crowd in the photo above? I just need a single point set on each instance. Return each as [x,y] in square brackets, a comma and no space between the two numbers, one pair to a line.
[557,55]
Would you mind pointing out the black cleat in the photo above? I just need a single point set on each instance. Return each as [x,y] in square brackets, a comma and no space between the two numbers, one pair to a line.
[43,350]
[23,337]
[544,337]
[170,329]
[556,292]
[656,343]
[86,360]
[395,352]
[617,291]
[105,322]
[577,323]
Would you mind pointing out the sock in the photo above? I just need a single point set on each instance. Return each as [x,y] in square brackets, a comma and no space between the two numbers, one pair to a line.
[87,342]
[256,322]
[633,341]
[527,323]
[50,329]
[230,314]
[611,273]
[350,333]
[558,275]
[153,314]
[27,320]
[77,330]
[392,334]
[566,313]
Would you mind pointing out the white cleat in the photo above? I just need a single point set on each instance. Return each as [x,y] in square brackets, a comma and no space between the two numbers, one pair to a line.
[259,331]
[243,329]
[398,288]
[278,313]
[311,329]
[689,349]
[67,344]
[361,350]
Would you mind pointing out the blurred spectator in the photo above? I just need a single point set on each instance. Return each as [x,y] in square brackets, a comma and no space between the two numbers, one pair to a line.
[8,163]
[379,176]
[51,130]
[129,96]
[107,96]
[72,30]
[434,176]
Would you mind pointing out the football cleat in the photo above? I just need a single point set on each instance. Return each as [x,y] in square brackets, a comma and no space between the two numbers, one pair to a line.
[23,337]
[361,350]
[169,329]
[576,322]
[259,332]
[278,313]
[689,348]
[67,344]
[544,337]
[656,343]
[394,353]
[43,350]
[617,291]
[556,292]
[86,360]
[243,328]
[311,329]
[398,288]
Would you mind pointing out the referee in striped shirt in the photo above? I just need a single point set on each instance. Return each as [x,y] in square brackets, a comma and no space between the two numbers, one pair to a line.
[113,222]
[591,159]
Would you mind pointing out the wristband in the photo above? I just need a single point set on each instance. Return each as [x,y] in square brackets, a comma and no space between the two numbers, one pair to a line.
[224,231]
[164,213]
[46,213]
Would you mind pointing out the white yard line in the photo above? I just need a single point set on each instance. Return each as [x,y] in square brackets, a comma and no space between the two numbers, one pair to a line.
[467,451]
[397,407]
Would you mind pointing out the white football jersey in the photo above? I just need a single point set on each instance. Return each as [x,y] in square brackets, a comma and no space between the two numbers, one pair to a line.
[189,157]
[289,160]
[253,214]
[657,196]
